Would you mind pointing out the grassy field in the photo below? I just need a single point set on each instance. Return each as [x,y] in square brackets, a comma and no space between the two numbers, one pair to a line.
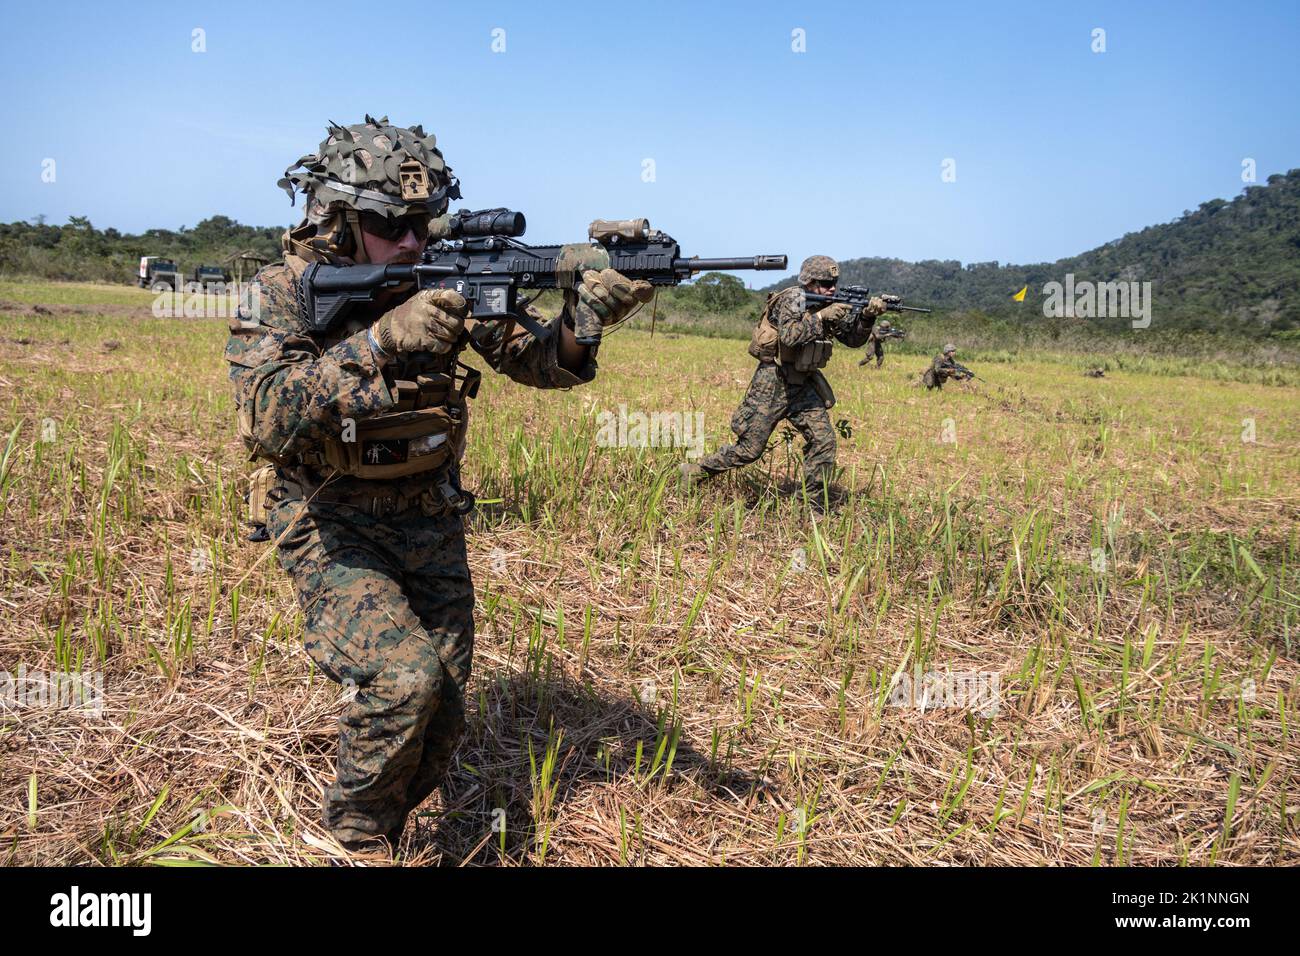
[667,677]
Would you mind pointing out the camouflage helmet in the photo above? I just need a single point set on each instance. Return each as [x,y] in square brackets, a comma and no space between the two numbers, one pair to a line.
[949,348]
[884,325]
[375,166]
[818,268]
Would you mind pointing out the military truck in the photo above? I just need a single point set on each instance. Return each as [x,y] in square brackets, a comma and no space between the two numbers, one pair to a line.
[155,270]
[205,276]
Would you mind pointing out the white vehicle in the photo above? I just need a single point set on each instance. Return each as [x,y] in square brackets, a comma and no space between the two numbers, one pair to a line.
[156,270]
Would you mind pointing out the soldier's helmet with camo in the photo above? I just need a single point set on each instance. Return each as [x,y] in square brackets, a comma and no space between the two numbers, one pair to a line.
[949,349]
[884,325]
[377,167]
[819,268]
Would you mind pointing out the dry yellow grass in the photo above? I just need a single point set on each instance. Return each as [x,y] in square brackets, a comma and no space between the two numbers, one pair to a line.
[676,678]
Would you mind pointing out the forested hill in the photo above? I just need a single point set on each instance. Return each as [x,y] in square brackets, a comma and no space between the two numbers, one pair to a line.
[1227,266]
[78,250]
[1230,266]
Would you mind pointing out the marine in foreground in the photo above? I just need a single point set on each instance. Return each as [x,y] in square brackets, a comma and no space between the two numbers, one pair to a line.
[364,424]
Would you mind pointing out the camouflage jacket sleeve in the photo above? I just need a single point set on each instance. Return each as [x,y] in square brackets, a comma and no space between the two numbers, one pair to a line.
[527,359]
[290,389]
[795,324]
[859,333]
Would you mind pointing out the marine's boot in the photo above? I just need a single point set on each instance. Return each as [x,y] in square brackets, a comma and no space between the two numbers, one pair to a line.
[375,850]
[691,474]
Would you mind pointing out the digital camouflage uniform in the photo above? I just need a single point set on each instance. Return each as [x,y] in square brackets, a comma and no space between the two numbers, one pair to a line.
[875,345]
[384,587]
[941,369]
[379,565]
[777,392]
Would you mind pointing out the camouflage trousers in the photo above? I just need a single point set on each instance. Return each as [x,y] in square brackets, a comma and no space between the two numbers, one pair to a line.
[769,400]
[933,379]
[388,608]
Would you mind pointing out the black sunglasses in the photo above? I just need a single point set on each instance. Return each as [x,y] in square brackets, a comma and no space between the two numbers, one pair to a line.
[392,230]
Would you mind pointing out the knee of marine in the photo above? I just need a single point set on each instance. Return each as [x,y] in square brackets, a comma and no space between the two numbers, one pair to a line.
[413,673]
[749,449]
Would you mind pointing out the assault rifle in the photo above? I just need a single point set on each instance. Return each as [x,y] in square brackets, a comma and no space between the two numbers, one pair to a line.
[483,260]
[857,298]
[963,371]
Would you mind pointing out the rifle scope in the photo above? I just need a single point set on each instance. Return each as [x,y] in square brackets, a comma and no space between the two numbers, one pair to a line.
[467,224]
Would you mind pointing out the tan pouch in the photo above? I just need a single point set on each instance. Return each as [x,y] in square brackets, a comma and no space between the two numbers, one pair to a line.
[807,357]
[260,484]
[763,342]
[397,444]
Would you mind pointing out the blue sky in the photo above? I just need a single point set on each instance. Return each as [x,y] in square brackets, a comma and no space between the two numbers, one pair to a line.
[756,148]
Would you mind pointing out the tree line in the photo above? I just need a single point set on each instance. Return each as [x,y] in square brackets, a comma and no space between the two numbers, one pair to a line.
[78,250]
[1226,267]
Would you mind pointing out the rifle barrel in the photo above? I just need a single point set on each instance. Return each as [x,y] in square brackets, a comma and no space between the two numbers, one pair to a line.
[696,264]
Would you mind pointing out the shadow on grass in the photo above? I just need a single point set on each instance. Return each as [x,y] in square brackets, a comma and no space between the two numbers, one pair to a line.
[498,801]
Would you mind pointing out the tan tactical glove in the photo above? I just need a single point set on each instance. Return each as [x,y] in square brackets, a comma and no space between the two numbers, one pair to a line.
[429,321]
[603,298]
[834,314]
[877,306]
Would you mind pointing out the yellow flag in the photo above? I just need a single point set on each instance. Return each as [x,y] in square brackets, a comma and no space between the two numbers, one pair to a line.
[1020,296]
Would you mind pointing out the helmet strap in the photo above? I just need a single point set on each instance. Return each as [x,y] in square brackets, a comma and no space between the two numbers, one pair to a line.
[358,242]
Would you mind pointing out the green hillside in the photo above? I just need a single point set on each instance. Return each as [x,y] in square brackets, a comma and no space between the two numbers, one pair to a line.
[1227,266]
